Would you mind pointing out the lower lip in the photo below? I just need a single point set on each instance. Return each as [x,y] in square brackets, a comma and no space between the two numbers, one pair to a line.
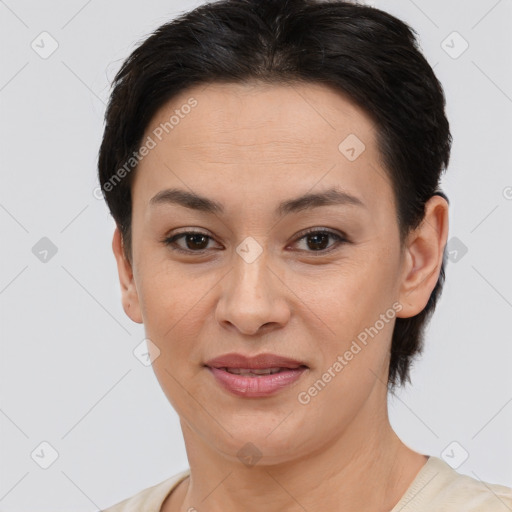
[253,387]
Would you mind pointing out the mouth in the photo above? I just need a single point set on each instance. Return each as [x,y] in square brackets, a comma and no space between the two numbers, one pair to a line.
[258,372]
[257,376]
[261,364]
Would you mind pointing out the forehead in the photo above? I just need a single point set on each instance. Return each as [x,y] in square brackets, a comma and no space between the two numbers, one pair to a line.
[264,139]
[263,114]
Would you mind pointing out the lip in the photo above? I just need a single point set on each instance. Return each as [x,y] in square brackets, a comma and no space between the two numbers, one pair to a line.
[234,360]
[255,386]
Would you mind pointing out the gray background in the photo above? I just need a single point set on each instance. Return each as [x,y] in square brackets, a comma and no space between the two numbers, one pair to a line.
[68,373]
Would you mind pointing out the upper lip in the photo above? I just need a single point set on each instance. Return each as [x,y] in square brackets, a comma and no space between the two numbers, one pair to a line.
[259,361]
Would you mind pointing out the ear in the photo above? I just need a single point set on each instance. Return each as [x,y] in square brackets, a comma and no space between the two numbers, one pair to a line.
[130,298]
[423,257]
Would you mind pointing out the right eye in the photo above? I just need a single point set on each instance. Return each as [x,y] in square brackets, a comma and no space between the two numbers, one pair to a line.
[196,242]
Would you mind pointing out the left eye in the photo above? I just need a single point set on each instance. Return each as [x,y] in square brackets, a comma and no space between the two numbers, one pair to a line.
[317,240]
[197,242]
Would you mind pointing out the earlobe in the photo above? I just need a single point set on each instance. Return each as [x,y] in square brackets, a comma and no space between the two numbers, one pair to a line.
[424,257]
[129,295]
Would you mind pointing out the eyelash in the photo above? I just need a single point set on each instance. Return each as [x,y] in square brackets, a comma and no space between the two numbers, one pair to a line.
[340,240]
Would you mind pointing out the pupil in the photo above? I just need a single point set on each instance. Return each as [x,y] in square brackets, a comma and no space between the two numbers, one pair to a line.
[324,236]
[189,237]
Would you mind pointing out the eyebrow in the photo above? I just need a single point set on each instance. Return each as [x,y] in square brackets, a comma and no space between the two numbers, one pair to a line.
[193,201]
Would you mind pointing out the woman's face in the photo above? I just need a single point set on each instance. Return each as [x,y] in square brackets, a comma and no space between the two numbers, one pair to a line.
[253,281]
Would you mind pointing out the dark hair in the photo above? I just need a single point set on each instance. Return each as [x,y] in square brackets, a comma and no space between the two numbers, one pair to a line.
[363,52]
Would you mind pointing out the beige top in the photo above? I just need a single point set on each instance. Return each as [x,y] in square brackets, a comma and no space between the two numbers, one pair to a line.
[436,487]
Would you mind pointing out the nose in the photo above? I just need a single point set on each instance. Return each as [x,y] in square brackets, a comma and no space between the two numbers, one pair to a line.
[253,298]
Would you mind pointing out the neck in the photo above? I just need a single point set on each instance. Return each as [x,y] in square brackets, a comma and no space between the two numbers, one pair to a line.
[367,467]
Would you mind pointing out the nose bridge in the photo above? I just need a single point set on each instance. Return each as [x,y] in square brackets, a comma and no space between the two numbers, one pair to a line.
[251,297]
[250,274]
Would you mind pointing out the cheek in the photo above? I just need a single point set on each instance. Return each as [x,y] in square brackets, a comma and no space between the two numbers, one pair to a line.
[351,303]
[166,291]
[356,288]
[175,305]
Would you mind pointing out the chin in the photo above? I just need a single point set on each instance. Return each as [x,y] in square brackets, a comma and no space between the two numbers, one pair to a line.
[263,443]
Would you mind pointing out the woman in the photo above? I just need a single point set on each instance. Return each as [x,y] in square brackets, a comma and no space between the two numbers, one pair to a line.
[273,169]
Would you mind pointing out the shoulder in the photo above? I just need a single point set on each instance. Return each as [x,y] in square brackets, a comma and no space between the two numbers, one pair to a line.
[439,487]
[151,498]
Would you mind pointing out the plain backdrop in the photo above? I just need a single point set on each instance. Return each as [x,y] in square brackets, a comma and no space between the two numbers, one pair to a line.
[69,377]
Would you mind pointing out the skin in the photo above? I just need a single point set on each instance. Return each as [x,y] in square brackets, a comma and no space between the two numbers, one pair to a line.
[250,147]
